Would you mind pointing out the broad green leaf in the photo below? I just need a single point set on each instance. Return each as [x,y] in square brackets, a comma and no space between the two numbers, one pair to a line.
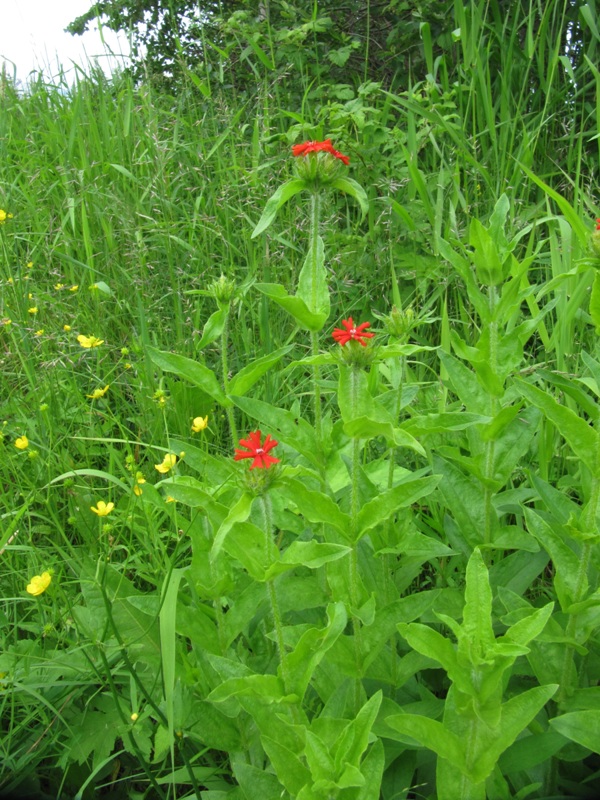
[213,328]
[464,497]
[316,506]
[372,767]
[387,504]
[441,423]
[360,730]
[256,783]
[430,643]
[192,371]
[565,560]
[245,379]
[168,626]
[311,555]
[477,613]
[595,302]
[354,189]
[290,770]
[267,687]
[306,319]
[517,713]
[312,281]
[312,646]
[246,543]
[276,201]
[528,628]
[239,513]
[582,727]
[432,735]
[487,259]
[465,384]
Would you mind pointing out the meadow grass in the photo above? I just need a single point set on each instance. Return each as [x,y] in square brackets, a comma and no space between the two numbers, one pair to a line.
[128,205]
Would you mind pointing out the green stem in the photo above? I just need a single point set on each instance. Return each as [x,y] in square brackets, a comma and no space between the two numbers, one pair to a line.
[354,581]
[490,445]
[315,218]
[225,376]
[276,613]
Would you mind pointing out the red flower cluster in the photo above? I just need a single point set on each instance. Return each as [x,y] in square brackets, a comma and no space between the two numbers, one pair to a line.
[318,147]
[260,453]
[598,224]
[353,332]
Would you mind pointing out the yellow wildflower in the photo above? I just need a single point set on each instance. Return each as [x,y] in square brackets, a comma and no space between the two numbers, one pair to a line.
[89,341]
[74,287]
[167,464]
[199,424]
[169,499]
[39,584]
[66,328]
[40,332]
[5,321]
[98,393]
[139,478]
[137,490]
[10,280]
[59,286]
[102,509]
[33,310]
[134,717]
[30,296]
[4,215]
[29,264]
[22,443]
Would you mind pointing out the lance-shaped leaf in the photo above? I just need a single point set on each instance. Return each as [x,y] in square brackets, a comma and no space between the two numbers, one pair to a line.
[239,513]
[276,201]
[385,505]
[477,633]
[432,735]
[306,319]
[582,438]
[196,373]
[315,506]
[245,379]
[312,281]
[354,189]
[213,328]
[311,555]
[582,727]
[312,646]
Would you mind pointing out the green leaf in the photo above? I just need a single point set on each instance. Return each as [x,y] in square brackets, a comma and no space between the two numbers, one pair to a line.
[256,783]
[312,281]
[582,727]
[315,506]
[239,513]
[294,305]
[354,189]
[312,646]
[311,555]
[192,371]
[432,735]
[595,302]
[385,505]
[290,770]
[441,423]
[213,328]
[582,438]
[267,687]
[245,379]
[276,201]
[477,613]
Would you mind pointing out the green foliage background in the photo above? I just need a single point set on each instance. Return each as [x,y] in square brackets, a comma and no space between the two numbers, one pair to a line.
[474,130]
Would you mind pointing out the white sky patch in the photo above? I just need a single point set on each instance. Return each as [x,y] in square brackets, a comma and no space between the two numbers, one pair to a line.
[32,37]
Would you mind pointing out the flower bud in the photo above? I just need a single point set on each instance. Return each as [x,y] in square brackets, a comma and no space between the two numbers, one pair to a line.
[223,290]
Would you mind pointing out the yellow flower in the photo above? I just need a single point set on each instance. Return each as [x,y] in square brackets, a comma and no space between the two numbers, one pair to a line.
[89,341]
[39,584]
[74,287]
[169,499]
[199,424]
[22,443]
[167,464]
[11,280]
[30,296]
[66,328]
[102,509]
[33,310]
[137,490]
[40,332]
[5,321]
[139,478]
[59,286]
[98,393]
[29,264]
[4,216]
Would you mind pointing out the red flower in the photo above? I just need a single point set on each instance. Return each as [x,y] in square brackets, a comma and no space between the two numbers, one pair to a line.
[317,147]
[598,224]
[260,453]
[353,332]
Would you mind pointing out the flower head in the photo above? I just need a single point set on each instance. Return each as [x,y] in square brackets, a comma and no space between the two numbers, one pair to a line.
[254,449]
[39,584]
[598,224]
[40,332]
[33,310]
[4,215]
[102,509]
[199,424]
[352,332]
[98,393]
[167,464]
[22,443]
[89,341]
[66,328]
[319,147]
